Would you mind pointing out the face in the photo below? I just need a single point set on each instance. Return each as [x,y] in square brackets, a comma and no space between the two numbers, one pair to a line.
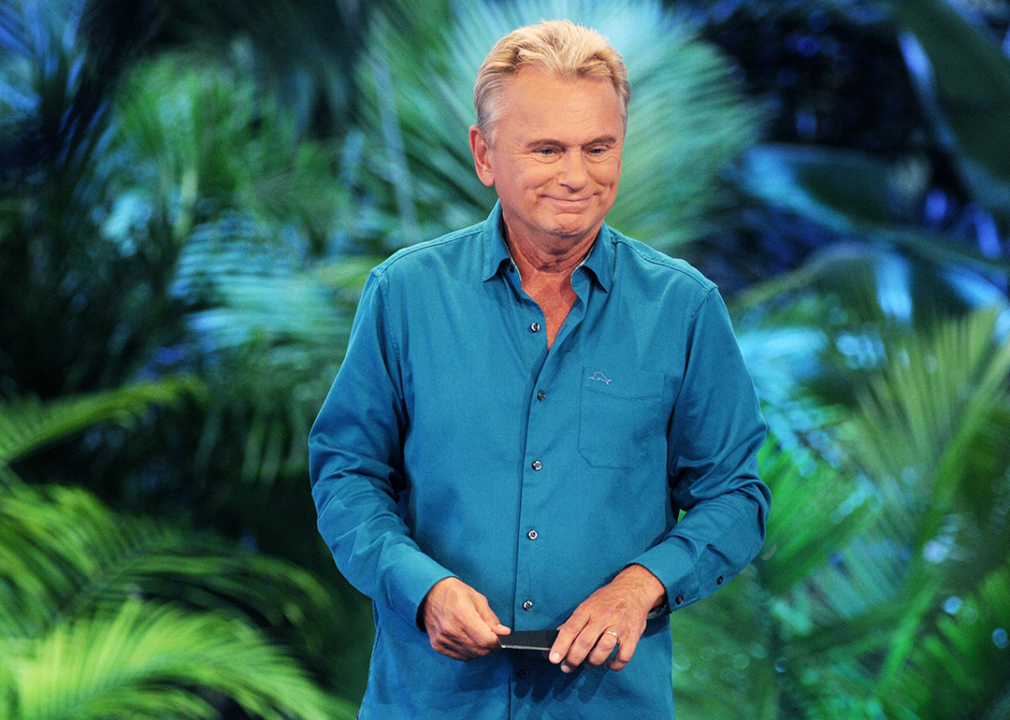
[555,160]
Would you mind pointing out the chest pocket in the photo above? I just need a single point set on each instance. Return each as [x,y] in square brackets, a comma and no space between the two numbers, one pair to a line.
[621,417]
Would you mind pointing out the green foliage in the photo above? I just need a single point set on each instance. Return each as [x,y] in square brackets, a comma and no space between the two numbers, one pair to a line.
[797,547]
[193,210]
[721,672]
[966,655]
[186,242]
[204,139]
[269,334]
[81,311]
[253,200]
[686,123]
[103,615]
[179,238]
[963,78]
[56,568]
[885,569]
[150,661]
[27,425]
[855,193]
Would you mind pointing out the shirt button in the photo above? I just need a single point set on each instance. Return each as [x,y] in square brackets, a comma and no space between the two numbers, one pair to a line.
[536,465]
[532,535]
[528,605]
[535,327]
[679,599]
[541,395]
[719,580]
[523,673]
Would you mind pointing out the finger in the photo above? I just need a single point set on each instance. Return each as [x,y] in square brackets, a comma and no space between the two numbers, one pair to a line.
[490,627]
[450,648]
[604,647]
[456,628]
[474,634]
[459,645]
[566,634]
[490,619]
[582,646]
[625,652]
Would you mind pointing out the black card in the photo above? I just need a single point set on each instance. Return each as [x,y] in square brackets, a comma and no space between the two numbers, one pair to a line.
[529,640]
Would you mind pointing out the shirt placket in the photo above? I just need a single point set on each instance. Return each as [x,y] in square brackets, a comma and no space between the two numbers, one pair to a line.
[538,471]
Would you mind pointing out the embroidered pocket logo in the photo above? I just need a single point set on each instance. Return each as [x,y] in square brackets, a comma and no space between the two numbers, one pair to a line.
[600,377]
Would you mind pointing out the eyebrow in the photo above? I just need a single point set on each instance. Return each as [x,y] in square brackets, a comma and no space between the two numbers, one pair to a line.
[602,140]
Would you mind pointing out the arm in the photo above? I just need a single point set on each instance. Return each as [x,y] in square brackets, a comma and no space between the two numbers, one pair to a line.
[355,465]
[357,475]
[713,439]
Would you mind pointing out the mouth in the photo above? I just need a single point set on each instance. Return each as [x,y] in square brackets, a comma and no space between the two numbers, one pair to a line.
[571,202]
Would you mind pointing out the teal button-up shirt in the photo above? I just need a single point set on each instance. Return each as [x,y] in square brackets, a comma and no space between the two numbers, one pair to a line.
[454,443]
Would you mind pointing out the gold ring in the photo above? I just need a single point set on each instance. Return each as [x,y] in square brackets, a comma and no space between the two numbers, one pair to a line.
[613,633]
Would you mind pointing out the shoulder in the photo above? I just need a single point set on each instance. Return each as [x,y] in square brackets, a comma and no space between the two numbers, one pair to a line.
[644,265]
[448,254]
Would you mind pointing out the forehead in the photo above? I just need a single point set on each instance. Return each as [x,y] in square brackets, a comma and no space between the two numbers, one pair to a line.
[534,101]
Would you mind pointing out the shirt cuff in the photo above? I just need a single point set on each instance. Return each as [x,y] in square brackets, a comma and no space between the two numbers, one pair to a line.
[673,566]
[410,583]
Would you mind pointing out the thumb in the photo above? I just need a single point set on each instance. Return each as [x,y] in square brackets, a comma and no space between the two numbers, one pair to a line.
[488,616]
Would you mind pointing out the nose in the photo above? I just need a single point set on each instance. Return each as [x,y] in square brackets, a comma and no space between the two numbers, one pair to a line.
[574,174]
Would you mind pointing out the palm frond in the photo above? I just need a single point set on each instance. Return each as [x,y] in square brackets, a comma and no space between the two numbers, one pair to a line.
[868,627]
[63,554]
[60,91]
[961,668]
[795,546]
[205,139]
[80,311]
[939,401]
[750,671]
[27,425]
[686,119]
[724,655]
[272,333]
[963,80]
[155,661]
[245,289]
[925,415]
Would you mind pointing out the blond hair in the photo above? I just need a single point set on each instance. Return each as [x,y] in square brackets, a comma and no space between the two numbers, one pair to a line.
[558,47]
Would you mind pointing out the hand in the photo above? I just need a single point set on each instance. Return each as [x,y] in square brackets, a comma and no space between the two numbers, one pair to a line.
[614,614]
[459,621]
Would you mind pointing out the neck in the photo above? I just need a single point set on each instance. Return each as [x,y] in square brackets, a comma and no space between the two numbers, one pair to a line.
[557,263]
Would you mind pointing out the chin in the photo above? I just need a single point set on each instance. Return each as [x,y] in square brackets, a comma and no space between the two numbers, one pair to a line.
[574,229]
[568,231]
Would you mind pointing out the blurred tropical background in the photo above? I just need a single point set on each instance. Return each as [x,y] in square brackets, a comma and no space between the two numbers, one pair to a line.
[192,192]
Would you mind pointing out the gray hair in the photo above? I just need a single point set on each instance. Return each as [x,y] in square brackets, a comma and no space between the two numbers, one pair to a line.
[558,47]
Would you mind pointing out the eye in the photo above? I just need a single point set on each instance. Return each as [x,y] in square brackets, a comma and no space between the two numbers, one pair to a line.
[546,151]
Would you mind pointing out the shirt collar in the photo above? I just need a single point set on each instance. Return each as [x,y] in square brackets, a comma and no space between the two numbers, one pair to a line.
[600,262]
[496,255]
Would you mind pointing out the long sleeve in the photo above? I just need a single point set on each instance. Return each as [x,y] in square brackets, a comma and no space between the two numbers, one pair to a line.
[713,439]
[356,468]
[455,442]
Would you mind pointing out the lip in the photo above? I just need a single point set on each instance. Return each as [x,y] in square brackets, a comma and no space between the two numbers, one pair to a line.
[573,202]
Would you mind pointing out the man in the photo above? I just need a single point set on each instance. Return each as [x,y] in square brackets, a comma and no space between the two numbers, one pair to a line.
[525,408]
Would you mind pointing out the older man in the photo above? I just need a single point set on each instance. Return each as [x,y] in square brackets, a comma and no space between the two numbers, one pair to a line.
[525,409]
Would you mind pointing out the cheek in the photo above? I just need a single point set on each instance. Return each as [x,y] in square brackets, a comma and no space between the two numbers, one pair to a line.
[608,177]
[536,176]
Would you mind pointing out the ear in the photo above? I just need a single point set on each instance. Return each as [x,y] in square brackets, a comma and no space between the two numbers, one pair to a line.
[481,156]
